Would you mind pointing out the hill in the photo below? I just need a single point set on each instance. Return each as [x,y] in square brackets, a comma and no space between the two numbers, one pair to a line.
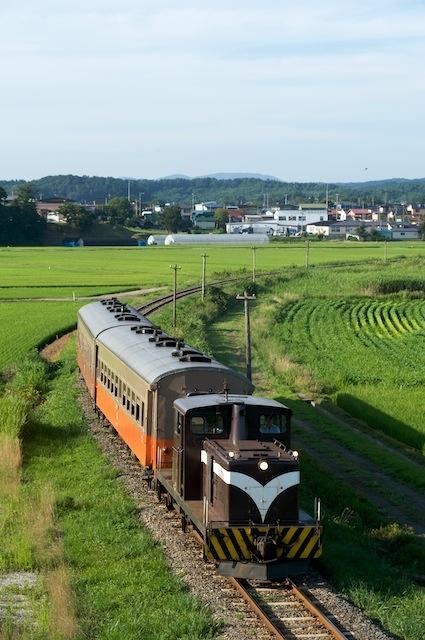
[225,191]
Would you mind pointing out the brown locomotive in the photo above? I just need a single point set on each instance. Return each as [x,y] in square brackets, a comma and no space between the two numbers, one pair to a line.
[220,455]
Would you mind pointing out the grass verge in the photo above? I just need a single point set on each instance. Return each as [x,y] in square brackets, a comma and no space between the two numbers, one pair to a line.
[123,587]
[35,584]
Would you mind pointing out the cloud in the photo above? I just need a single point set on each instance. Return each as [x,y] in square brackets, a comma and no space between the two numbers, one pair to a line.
[193,82]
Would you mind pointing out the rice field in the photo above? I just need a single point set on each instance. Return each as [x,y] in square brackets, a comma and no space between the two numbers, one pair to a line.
[25,325]
[365,350]
[55,271]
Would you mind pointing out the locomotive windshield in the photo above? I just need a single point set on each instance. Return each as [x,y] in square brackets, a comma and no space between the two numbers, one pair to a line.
[210,421]
[265,424]
[274,423]
[207,425]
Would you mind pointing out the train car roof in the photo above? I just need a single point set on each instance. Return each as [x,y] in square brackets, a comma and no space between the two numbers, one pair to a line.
[152,361]
[104,314]
[213,399]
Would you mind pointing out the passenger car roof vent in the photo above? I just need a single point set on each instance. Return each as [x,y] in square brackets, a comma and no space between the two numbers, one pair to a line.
[166,343]
[163,338]
[195,358]
[127,317]
[142,328]
[185,352]
[147,330]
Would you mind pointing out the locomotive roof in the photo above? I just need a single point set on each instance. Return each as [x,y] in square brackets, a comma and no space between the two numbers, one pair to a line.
[150,360]
[213,399]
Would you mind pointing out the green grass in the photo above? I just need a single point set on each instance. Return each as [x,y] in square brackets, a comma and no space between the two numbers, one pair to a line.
[25,325]
[124,589]
[363,349]
[149,266]
[372,561]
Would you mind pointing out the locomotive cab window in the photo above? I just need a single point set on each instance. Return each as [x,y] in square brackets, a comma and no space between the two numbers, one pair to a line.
[272,423]
[207,425]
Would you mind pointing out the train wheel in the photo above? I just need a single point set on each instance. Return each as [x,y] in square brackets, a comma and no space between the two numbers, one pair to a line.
[169,503]
[183,522]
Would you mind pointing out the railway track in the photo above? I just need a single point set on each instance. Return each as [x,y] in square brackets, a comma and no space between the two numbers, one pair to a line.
[286,611]
[158,303]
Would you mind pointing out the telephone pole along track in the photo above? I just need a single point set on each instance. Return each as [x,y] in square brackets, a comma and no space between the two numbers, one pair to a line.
[286,611]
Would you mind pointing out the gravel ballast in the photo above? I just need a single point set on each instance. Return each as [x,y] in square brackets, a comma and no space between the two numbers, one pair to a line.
[185,556]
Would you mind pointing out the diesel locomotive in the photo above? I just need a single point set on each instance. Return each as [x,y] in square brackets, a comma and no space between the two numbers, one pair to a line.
[219,455]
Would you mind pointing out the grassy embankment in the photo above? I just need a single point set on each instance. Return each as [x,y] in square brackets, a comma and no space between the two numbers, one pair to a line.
[375,562]
[28,541]
[90,533]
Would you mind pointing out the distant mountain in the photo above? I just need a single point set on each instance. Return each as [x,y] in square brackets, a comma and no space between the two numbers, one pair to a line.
[224,176]
[176,176]
[240,176]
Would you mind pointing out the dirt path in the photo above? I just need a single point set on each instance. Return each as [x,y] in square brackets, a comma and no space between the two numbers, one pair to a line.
[52,350]
[410,457]
[397,501]
[121,294]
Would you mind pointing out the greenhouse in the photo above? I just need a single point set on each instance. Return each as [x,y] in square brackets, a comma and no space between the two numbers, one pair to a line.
[209,238]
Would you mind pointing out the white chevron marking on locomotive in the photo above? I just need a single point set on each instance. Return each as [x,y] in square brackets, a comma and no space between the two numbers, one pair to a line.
[262,495]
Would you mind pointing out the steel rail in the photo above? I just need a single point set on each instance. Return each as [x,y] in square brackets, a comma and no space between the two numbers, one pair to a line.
[323,619]
[256,608]
[244,588]
[158,303]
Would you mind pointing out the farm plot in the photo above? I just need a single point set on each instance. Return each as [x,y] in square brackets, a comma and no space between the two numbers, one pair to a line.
[25,325]
[366,353]
[106,269]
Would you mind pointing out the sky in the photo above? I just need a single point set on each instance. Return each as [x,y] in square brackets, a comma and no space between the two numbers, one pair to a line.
[329,90]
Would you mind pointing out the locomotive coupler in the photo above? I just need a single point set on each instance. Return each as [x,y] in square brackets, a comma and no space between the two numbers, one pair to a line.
[266,548]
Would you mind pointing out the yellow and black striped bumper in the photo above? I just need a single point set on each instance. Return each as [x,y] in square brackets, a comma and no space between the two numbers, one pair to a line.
[239,543]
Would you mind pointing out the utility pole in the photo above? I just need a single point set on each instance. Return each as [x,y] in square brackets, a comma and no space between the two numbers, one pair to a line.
[129,190]
[140,202]
[327,197]
[175,268]
[307,252]
[254,263]
[204,265]
[246,298]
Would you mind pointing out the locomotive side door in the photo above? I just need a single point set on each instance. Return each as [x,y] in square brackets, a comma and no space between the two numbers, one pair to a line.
[177,476]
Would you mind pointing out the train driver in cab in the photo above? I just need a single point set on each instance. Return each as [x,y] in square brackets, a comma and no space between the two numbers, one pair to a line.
[272,425]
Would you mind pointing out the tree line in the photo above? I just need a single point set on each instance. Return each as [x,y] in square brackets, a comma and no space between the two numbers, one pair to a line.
[87,189]
[19,220]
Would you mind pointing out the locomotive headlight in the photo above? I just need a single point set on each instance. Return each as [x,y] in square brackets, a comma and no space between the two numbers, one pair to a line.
[295,454]
[231,454]
[263,465]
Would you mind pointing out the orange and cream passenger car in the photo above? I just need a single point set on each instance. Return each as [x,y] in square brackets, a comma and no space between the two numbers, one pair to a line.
[134,372]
